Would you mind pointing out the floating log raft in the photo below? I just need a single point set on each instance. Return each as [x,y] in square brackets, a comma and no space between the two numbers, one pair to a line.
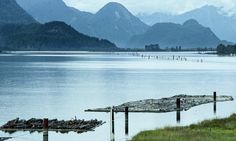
[5,138]
[62,126]
[165,104]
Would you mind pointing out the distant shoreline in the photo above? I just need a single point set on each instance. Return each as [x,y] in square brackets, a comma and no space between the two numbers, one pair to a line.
[76,52]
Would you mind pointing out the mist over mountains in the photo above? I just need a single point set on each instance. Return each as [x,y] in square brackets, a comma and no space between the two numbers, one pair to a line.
[115,23]
[221,23]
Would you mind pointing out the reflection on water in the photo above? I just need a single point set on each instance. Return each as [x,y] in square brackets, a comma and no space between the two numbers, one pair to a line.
[64,85]
[45,135]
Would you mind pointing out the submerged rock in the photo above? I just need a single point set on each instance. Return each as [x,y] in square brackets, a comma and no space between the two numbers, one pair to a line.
[165,104]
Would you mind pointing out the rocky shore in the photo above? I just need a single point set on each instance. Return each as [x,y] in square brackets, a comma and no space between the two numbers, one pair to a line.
[165,104]
[62,126]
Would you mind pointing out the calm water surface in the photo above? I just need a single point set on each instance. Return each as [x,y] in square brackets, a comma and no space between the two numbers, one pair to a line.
[57,85]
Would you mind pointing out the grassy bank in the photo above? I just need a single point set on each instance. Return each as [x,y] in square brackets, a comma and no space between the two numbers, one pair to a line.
[209,130]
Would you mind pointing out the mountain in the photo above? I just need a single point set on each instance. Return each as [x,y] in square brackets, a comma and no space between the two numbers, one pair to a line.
[221,24]
[49,36]
[188,35]
[19,31]
[113,21]
[56,10]
[151,19]
[116,23]
[11,12]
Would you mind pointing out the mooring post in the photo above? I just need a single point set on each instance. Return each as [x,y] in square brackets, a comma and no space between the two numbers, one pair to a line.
[214,95]
[178,110]
[112,124]
[45,124]
[45,131]
[126,120]
[214,106]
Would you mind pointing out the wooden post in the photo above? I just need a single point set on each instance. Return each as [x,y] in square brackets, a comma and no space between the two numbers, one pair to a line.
[45,135]
[112,124]
[214,95]
[214,106]
[126,120]
[45,123]
[45,131]
[178,110]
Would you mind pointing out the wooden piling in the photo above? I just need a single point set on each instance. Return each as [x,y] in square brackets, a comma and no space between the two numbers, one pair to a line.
[214,95]
[112,124]
[178,110]
[45,135]
[214,106]
[126,120]
[45,123]
[45,131]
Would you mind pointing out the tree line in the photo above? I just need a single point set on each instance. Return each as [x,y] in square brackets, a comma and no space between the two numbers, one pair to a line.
[226,50]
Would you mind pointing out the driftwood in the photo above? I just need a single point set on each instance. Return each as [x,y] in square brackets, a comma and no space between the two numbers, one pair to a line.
[62,126]
[164,104]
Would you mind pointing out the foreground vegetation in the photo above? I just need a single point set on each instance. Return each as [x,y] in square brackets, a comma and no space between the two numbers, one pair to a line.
[209,130]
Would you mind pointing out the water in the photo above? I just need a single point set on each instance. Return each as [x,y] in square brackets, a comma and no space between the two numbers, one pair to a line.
[62,85]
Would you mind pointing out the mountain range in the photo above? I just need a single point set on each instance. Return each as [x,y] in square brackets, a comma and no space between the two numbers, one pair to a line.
[113,22]
[19,31]
[188,35]
[222,24]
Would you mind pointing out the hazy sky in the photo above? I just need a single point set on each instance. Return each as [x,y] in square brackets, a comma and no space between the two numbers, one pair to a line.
[151,6]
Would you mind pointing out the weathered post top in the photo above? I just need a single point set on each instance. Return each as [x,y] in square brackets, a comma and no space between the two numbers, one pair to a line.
[45,123]
[214,95]
[178,103]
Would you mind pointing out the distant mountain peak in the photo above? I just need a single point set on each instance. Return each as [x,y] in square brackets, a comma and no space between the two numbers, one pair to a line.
[114,9]
[207,9]
[191,22]
[116,23]
[210,8]
[189,35]
[114,5]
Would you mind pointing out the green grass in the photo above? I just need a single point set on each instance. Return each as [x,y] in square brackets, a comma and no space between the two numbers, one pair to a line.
[208,130]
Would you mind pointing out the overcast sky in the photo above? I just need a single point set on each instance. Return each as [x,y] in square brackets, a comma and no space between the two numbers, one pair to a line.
[151,6]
